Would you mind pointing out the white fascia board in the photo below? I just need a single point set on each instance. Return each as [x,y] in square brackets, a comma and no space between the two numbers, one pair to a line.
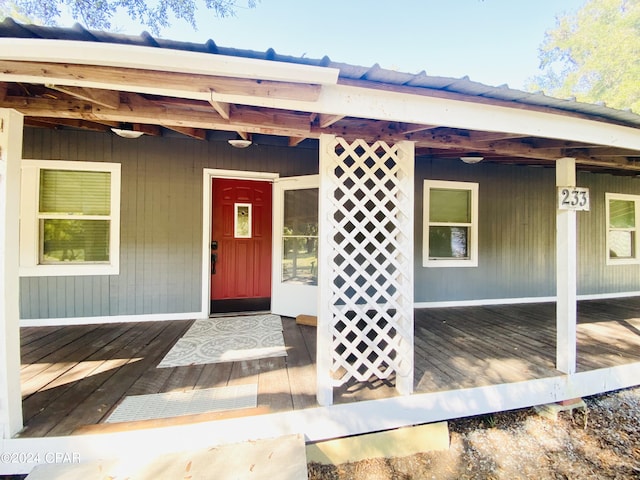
[409,108]
[161,59]
[395,106]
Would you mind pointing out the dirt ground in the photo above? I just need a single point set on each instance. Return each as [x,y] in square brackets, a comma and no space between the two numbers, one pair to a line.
[522,445]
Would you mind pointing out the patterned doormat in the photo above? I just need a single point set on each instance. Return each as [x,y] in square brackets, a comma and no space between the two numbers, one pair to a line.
[218,340]
[192,402]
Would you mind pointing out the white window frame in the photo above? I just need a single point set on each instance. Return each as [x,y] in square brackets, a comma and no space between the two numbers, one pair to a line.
[236,210]
[29,221]
[472,261]
[636,247]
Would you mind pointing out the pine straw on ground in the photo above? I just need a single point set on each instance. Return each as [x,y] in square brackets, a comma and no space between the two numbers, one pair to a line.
[604,444]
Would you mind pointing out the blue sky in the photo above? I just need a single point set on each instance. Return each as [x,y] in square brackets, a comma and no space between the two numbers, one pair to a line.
[491,41]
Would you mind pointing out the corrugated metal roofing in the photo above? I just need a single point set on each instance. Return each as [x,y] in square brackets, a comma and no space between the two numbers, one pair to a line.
[465,86]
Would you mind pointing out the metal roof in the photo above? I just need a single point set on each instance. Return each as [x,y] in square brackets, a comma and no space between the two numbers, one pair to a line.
[464,86]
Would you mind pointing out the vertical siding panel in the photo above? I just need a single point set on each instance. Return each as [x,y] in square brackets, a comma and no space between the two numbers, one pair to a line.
[25,296]
[516,211]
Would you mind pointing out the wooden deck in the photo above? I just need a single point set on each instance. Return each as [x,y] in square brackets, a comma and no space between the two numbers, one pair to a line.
[74,376]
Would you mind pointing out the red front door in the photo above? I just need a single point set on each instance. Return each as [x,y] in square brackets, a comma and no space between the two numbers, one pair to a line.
[240,245]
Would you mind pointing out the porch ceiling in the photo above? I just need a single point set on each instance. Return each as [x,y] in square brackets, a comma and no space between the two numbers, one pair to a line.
[48,95]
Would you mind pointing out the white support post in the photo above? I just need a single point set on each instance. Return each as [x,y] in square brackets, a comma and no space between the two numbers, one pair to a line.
[11,124]
[566,273]
[404,376]
[365,258]
[324,392]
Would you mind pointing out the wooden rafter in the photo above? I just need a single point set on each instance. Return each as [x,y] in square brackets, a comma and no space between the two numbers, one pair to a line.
[105,98]
[294,141]
[407,128]
[136,109]
[325,120]
[63,122]
[222,108]
[197,133]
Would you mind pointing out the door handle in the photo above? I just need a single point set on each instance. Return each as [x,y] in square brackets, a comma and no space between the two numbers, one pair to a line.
[214,259]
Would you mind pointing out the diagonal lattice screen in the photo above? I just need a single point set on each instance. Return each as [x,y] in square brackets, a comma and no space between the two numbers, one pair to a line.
[366,297]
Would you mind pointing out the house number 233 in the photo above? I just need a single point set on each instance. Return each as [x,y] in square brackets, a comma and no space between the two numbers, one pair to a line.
[573,198]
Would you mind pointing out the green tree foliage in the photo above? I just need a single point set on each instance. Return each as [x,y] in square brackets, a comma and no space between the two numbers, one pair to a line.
[594,55]
[97,14]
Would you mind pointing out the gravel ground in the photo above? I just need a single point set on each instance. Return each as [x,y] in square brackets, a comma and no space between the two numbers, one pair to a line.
[522,445]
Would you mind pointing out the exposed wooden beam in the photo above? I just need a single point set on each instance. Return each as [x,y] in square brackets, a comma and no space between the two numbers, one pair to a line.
[492,136]
[136,109]
[244,135]
[132,79]
[153,130]
[602,152]
[325,120]
[197,133]
[406,128]
[295,141]
[105,98]
[271,121]
[65,122]
[222,108]
[458,142]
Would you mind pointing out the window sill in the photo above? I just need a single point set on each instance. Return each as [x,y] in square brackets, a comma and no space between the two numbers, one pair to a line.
[623,261]
[69,270]
[450,263]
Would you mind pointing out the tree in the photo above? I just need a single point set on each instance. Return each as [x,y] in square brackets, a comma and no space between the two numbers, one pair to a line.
[594,55]
[98,13]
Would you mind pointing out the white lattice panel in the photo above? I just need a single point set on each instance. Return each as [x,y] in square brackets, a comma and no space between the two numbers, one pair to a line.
[366,281]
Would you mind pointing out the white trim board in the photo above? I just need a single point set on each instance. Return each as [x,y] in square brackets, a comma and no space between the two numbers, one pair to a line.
[514,301]
[324,423]
[156,317]
[149,317]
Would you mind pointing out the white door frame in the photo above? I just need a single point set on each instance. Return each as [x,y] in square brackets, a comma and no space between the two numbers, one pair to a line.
[207,175]
[299,301]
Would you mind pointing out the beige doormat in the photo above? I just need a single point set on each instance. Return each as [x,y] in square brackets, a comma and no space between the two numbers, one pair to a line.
[218,340]
[175,404]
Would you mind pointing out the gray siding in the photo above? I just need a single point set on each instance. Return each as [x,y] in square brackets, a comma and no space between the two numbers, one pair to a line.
[517,235]
[594,275]
[161,220]
[161,226]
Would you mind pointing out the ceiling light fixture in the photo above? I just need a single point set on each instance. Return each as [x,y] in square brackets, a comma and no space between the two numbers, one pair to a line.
[127,131]
[472,159]
[241,141]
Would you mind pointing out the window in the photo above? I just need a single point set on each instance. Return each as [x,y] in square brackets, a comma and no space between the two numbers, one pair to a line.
[450,224]
[623,218]
[242,220]
[69,218]
[300,237]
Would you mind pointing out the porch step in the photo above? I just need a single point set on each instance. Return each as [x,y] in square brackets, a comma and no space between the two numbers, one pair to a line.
[310,320]
[391,443]
[282,458]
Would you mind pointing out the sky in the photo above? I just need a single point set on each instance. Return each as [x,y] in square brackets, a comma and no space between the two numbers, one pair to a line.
[494,42]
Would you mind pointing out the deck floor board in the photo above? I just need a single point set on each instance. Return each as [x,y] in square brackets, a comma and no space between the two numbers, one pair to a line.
[73,377]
